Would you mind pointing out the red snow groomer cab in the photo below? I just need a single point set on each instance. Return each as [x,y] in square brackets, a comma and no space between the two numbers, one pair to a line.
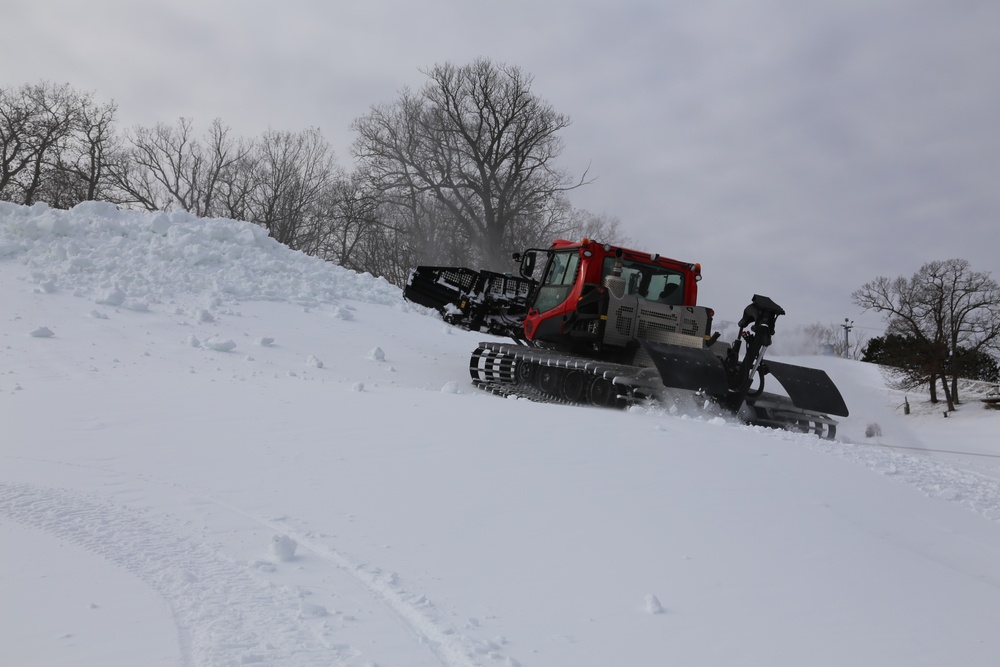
[603,300]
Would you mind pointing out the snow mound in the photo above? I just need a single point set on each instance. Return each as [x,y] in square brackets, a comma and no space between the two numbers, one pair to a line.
[220,344]
[283,547]
[653,605]
[130,259]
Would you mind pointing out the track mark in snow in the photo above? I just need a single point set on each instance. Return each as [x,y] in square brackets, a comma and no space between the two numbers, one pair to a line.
[938,479]
[224,615]
[413,610]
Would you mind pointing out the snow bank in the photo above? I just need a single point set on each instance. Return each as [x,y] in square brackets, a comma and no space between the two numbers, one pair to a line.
[132,258]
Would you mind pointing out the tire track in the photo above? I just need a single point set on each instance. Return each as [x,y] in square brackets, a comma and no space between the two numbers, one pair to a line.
[412,610]
[224,615]
[974,491]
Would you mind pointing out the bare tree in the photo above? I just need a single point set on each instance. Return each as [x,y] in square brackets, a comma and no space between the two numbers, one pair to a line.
[37,123]
[945,306]
[234,195]
[167,167]
[348,211]
[15,145]
[386,249]
[80,170]
[294,173]
[479,142]
[222,159]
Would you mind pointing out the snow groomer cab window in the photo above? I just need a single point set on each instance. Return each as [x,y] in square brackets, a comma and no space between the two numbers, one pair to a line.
[558,279]
[649,281]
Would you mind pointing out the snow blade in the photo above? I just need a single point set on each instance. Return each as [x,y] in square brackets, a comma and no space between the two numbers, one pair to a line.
[700,369]
[809,388]
[688,367]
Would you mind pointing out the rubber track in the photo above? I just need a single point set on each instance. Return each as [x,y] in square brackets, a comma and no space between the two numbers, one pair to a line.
[493,368]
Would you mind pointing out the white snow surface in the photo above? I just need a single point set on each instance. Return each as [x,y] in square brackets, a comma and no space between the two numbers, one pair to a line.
[182,482]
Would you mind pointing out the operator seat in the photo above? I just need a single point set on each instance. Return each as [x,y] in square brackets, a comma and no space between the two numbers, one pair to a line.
[668,294]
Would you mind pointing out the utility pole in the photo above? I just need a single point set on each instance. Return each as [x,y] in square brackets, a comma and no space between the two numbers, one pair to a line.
[848,325]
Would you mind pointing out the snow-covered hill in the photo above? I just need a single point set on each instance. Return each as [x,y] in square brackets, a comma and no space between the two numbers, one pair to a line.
[217,451]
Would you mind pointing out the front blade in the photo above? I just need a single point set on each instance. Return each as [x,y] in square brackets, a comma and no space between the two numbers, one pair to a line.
[688,367]
[809,388]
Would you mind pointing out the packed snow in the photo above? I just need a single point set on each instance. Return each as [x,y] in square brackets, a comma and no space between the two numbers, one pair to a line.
[217,451]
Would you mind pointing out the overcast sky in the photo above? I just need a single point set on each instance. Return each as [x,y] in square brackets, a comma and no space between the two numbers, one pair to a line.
[796,149]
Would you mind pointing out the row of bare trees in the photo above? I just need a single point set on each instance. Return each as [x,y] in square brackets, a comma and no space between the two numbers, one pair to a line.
[462,172]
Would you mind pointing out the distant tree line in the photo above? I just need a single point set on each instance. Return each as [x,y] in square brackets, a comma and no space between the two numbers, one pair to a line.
[916,358]
[943,324]
[461,172]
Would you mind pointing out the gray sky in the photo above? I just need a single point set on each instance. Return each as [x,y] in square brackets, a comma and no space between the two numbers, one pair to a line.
[795,148]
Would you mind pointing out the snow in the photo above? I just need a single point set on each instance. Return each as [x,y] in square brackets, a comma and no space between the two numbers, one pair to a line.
[217,451]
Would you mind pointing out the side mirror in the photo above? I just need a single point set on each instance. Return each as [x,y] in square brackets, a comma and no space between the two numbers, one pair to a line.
[528,263]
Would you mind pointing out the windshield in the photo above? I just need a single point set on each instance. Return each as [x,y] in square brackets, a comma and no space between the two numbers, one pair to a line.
[558,279]
[649,281]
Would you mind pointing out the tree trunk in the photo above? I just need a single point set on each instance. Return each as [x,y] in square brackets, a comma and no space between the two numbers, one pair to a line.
[947,393]
[933,386]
